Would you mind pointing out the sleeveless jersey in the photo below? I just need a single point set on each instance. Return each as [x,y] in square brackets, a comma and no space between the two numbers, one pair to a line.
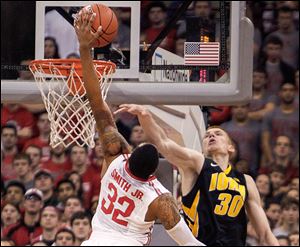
[123,203]
[215,207]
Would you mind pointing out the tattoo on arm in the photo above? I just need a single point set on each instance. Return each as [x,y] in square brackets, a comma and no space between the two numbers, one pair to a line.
[168,212]
[113,143]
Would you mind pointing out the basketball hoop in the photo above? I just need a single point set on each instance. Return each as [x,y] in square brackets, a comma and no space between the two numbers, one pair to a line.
[61,86]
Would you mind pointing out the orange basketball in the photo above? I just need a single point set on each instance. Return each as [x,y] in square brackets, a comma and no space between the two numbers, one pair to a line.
[106,18]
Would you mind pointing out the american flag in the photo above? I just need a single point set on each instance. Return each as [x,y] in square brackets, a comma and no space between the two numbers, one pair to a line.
[201,53]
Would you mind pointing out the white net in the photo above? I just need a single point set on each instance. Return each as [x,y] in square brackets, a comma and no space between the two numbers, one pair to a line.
[64,96]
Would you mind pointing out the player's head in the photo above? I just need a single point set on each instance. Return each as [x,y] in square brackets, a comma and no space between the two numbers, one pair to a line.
[217,141]
[143,161]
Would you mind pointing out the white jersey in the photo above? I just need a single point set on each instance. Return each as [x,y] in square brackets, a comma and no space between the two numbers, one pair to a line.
[123,203]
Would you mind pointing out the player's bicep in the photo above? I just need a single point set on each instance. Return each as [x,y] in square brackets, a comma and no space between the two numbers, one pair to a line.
[182,157]
[167,211]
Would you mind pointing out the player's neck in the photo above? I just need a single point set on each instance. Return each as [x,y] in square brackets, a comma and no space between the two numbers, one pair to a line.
[222,160]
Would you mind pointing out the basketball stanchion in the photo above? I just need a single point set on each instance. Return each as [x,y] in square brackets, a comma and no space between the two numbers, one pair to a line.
[63,93]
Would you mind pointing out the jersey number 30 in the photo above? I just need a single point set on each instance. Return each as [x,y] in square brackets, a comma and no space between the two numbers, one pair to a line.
[229,205]
[112,201]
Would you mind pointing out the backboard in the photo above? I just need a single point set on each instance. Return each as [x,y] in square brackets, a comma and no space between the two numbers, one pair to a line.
[155,71]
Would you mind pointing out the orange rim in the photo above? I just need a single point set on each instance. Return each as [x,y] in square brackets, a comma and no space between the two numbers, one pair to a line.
[65,66]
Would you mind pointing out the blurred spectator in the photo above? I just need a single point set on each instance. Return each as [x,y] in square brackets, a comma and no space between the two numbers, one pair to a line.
[10,214]
[246,133]
[295,183]
[293,193]
[282,157]
[263,184]
[49,223]
[64,237]
[283,120]
[289,221]
[260,103]
[22,167]
[51,48]
[157,15]
[58,163]
[122,41]
[277,70]
[35,154]
[9,150]
[273,212]
[62,31]
[25,74]
[44,181]
[294,238]
[81,226]
[297,88]
[283,240]
[73,56]
[289,36]
[65,188]
[137,136]
[29,228]
[76,179]
[17,115]
[73,204]
[15,191]
[90,179]
[42,140]
[277,179]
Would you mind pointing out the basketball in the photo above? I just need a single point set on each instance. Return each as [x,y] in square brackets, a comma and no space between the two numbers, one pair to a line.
[106,18]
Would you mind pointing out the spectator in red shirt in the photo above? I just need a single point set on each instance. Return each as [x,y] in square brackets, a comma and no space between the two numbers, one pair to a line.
[35,154]
[58,163]
[97,156]
[50,220]
[20,117]
[157,15]
[73,205]
[90,179]
[64,237]
[282,157]
[42,140]
[22,166]
[29,228]
[76,179]
[14,192]
[81,226]
[9,150]
[65,188]
[10,214]
[44,180]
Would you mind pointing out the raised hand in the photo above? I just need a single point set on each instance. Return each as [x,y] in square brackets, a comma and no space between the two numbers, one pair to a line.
[131,108]
[82,24]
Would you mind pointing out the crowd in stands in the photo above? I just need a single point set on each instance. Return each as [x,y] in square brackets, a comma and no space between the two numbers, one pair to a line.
[49,194]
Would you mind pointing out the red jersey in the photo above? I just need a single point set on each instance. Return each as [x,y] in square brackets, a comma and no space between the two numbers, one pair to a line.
[57,169]
[20,118]
[7,170]
[21,234]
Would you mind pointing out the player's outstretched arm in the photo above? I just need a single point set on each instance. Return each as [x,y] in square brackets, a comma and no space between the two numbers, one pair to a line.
[179,156]
[257,215]
[112,142]
[165,209]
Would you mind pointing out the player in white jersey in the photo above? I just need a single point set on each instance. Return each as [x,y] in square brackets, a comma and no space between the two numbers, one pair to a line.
[131,198]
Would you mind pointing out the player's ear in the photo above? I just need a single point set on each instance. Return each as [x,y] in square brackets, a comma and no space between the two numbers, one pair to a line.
[231,149]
